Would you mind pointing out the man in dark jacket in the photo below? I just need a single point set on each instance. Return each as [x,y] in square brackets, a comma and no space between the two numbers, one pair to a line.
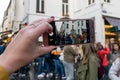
[112,41]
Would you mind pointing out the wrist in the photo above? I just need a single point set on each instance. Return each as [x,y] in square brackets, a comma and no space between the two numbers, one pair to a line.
[7,64]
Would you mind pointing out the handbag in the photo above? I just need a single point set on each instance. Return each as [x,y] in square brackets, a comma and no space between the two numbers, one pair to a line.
[105,61]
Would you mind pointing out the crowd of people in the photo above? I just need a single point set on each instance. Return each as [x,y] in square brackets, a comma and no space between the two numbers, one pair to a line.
[71,37]
[90,61]
[95,61]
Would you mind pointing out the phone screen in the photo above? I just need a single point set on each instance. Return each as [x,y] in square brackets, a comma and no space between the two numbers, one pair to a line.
[70,32]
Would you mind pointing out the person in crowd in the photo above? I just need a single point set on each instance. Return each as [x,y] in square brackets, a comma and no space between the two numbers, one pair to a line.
[25,47]
[48,64]
[111,46]
[40,68]
[59,68]
[45,67]
[114,55]
[111,42]
[73,31]
[102,52]
[60,39]
[69,58]
[85,40]
[93,63]
[2,47]
[88,68]
[114,72]
[116,52]
[76,39]
[68,39]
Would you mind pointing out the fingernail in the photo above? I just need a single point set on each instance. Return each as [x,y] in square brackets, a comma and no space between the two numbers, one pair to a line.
[52,17]
[49,31]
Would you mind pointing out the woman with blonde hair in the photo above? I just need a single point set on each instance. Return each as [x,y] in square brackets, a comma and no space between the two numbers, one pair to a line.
[88,68]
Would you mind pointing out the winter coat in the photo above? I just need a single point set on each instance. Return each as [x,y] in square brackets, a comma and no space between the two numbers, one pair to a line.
[69,54]
[89,71]
[114,72]
[2,48]
[102,53]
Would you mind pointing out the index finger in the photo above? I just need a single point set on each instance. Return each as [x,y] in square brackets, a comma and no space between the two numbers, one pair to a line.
[43,27]
[49,20]
[39,21]
[44,20]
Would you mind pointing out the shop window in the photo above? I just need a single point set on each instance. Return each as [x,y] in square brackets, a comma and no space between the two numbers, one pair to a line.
[91,1]
[40,6]
[65,8]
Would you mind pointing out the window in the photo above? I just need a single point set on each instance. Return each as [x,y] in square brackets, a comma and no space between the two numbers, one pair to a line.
[78,23]
[40,6]
[81,23]
[6,13]
[107,1]
[78,30]
[91,1]
[65,8]
[67,26]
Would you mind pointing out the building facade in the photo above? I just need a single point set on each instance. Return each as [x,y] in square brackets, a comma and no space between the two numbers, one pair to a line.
[7,18]
[17,8]
[23,12]
[97,9]
[6,25]
[36,9]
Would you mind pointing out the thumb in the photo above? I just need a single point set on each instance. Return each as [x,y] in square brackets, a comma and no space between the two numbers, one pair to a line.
[44,50]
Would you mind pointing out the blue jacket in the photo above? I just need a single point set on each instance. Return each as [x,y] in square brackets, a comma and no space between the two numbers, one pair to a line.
[2,48]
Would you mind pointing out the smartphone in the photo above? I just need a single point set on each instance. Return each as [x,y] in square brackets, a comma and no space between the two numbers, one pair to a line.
[70,32]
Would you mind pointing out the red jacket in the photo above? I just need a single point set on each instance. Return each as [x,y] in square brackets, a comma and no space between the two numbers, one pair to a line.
[102,53]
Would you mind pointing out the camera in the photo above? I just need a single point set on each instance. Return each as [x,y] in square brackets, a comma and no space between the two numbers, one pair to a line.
[70,32]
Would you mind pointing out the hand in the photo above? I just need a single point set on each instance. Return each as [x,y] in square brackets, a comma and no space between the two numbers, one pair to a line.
[107,45]
[25,47]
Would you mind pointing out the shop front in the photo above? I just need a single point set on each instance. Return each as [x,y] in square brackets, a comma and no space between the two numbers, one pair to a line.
[6,36]
[112,28]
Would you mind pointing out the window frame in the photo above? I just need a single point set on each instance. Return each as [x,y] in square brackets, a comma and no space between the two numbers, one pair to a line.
[40,6]
[91,2]
[108,1]
[65,8]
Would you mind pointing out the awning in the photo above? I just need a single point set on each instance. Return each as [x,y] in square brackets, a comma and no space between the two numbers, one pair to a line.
[10,31]
[113,21]
[4,34]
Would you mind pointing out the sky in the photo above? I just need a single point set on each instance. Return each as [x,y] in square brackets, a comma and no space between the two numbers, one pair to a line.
[3,7]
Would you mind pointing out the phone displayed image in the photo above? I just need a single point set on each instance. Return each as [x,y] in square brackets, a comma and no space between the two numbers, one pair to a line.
[70,32]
